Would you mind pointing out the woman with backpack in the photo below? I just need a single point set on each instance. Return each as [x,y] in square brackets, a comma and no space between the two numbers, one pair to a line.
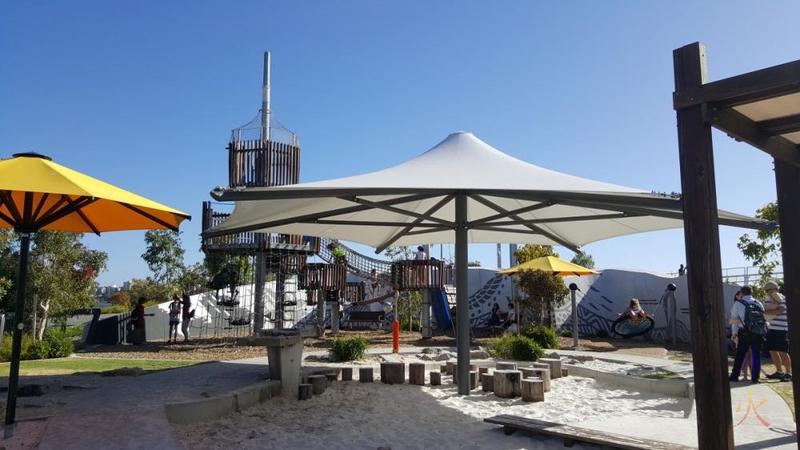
[748,330]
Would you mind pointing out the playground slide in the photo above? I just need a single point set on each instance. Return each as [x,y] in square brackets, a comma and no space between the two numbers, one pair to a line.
[441,310]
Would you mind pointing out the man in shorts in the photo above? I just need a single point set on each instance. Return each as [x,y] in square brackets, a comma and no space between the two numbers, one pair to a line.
[778,335]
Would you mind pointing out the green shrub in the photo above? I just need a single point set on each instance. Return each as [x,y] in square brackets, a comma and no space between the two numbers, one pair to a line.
[349,348]
[37,350]
[5,351]
[116,309]
[76,331]
[415,325]
[546,337]
[60,343]
[519,348]
[566,333]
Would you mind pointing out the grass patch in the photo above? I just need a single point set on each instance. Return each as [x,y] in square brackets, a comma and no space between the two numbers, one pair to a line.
[663,376]
[69,366]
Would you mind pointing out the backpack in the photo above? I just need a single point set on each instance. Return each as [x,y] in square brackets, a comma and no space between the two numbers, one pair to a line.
[755,322]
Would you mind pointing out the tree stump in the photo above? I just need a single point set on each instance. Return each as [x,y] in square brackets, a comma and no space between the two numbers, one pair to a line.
[393,373]
[506,366]
[416,373]
[507,383]
[443,368]
[347,373]
[544,375]
[455,374]
[541,365]
[365,374]
[473,379]
[487,382]
[555,367]
[450,367]
[436,378]
[564,372]
[482,370]
[528,372]
[332,376]
[473,367]
[304,391]
[532,390]
[319,383]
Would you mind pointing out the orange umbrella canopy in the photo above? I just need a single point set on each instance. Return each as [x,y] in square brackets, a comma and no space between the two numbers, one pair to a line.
[38,194]
[550,264]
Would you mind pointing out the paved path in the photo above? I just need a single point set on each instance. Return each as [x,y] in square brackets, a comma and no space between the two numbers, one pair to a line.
[128,412]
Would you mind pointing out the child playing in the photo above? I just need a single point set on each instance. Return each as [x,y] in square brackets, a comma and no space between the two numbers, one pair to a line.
[634,310]
[174,318]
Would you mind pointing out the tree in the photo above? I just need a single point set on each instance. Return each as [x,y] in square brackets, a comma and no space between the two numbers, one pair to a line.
[765,249]
[544,291]
[193,279]
[475,263]
[61,275]
[164,255]
[241,265]
[531,251]
[584,260]
[153,292]
[6,265]
[120,298]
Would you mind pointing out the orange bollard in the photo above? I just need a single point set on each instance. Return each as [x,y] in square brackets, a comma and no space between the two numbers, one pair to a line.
[396,337]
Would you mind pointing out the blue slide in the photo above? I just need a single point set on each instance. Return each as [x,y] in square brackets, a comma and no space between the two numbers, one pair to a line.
[441,310]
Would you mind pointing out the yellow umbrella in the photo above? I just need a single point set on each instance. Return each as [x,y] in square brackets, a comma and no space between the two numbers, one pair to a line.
[550,264]
[38,194]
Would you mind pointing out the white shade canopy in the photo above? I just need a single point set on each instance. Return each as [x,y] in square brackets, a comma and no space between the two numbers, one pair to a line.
[508,200]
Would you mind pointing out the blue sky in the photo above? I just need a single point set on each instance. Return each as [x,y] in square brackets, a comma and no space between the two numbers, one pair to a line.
[144,94]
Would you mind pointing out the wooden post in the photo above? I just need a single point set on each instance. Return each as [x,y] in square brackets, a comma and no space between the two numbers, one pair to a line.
[443,368]
[319,383]
[365,374]
[455,374]
[532,390]
[564,372]
[481,371]
[436,378]
[506,366]
[555,366]
[787,180]
[347,373]
[507,383]
[704,278]
[449,367]
[416,373]
[487,382]
[473,379]
[544,375]
[528,372]
[304,391]
[393,373]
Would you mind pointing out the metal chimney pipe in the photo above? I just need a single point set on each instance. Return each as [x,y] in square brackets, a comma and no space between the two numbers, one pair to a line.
[265,98]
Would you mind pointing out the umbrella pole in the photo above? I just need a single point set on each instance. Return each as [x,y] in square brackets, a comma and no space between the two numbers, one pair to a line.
[462,296]
[19,324]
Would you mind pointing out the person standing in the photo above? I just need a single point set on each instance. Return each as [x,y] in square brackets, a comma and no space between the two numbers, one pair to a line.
[174,318]
[778,335]
[137,334]
[419,257]
[186,315]
[744,338]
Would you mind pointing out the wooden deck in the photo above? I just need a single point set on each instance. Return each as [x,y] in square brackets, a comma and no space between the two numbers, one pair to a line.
[570,435]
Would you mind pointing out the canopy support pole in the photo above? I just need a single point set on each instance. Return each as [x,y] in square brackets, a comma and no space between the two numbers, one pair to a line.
[462,295]
[19,324]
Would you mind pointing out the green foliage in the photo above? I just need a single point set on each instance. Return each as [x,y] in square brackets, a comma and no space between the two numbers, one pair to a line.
[154,292]
[59,342]
[546,337]
[120,298]
[404,325]
[115,309]
[348,348]
[584,260]
[764,251]
[475,263]
[75,331]
[164,255]
[5,351]
[566,333]
[193,279]
[519,348]
[241,265]
[37,350]
[530,251]
[544,291]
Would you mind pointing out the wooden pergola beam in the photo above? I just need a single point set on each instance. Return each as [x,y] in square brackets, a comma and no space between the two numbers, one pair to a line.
[740,127]
[780,125]
[701,230]
[751,87]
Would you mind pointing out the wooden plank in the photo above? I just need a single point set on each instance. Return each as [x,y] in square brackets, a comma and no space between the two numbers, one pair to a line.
[787,180]
[570,434]
[701,231]
[746,88]
[740,127]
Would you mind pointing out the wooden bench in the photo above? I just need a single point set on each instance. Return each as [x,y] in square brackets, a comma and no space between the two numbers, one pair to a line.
[570,435]
[366,316]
